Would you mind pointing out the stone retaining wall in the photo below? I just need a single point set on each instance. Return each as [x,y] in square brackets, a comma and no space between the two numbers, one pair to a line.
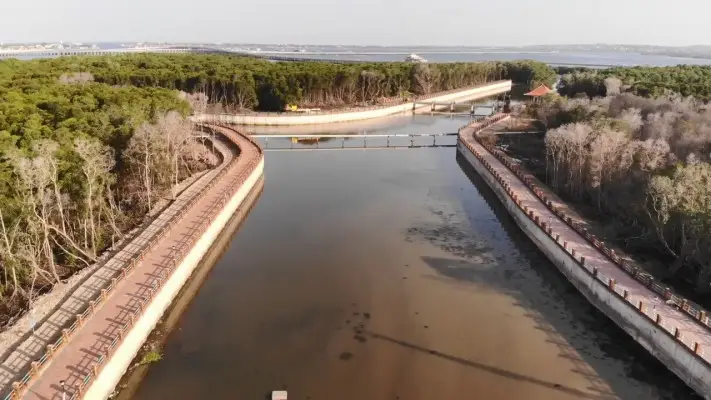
[666,343]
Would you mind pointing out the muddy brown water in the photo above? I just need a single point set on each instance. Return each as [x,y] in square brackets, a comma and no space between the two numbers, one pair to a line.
[392,274]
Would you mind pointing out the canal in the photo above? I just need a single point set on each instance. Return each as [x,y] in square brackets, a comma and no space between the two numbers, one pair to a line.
[391,274]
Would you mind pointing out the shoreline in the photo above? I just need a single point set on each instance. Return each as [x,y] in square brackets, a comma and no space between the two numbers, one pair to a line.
[346,115]
[663,330]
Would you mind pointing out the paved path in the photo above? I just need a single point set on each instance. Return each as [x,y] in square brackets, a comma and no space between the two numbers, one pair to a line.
[691,331]
[76,359]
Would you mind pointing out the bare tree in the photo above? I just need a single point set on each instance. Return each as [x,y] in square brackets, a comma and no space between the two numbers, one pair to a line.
[98,161]
[142,153]
[425,76]
[613,86]
[76,77]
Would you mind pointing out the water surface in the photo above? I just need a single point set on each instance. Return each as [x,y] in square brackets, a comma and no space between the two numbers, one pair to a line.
[392,274]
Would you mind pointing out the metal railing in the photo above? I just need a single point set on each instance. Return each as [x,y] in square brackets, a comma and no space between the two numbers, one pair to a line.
[697,314]
[235,182]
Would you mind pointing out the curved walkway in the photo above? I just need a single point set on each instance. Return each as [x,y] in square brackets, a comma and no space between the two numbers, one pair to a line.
[151,256]
[358,113]
[693,333]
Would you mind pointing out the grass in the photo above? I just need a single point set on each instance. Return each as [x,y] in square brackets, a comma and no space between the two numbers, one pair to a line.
[151,357]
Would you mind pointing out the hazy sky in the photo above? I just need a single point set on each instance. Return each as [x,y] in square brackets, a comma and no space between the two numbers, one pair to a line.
[380,22]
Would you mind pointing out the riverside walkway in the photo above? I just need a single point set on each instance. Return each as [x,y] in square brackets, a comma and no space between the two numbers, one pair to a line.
[669,312]
[131,276]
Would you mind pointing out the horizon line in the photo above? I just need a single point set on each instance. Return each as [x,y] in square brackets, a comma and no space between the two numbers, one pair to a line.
[355,45]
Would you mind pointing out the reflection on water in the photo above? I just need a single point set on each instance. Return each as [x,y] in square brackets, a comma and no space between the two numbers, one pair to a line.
[386,275]
[405,122]
[364,133]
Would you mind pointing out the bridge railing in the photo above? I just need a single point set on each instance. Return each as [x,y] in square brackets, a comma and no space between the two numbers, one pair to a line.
[179,252]
[696,312]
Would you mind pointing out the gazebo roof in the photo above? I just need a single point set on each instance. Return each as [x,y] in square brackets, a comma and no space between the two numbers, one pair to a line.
[539,91]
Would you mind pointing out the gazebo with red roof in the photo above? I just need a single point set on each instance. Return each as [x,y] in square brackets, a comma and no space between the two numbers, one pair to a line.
[539,92]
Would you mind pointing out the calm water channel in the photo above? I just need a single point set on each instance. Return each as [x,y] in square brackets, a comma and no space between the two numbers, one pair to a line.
[392,274]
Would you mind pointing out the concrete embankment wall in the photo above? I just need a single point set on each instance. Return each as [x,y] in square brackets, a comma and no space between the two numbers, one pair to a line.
[116,367]
[304,119]
[694,371]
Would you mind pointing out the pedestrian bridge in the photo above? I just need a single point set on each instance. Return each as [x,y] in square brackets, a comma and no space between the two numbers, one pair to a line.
[342,142]
[451,106]
[275,142]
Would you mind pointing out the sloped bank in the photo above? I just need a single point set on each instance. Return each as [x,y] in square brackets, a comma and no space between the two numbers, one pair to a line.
[471,93]
[649,328]
[240,188]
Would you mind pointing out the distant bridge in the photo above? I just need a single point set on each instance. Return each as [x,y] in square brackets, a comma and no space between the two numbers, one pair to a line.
[100,52]
[41,53]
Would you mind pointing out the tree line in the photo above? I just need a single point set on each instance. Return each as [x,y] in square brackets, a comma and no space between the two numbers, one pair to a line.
[90,145]
[81,163]
[685,80]
[238,83]
[642,163]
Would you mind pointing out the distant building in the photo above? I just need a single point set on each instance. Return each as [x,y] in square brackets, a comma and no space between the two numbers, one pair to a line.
[414,58]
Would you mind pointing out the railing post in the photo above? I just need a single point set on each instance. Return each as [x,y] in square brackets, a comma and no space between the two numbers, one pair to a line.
[34,367]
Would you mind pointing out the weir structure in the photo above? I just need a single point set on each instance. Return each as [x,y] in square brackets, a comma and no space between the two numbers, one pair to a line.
[668,326]
[83,349]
